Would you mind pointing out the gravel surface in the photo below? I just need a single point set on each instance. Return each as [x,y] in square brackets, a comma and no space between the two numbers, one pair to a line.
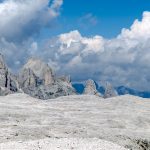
[123,120]
[62,144]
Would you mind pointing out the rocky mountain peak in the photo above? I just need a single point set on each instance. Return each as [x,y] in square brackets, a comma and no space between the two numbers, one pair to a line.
[37,79]
[90,88]
[41,70]
[2,62]
[27,78]
[66,79]
[8,82]
[109,90]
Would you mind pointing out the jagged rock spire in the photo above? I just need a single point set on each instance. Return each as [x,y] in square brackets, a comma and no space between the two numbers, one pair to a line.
[90,88]
[8,82]
[37,79]
[2,62]
[109,90]
[4,74]
[41,70]
[27,78]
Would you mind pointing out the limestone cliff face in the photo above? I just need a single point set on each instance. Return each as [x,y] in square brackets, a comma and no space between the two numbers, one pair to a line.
[27,78]
[37,79]
[4,74]
[109,91]
[90,88]
[8,82]
[66,79]
[40,70]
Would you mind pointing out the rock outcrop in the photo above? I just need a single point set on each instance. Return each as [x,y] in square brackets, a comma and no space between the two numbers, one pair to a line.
[8,82]
[90,88]
[27,78]
[109,91]
[40,70]
[37,79]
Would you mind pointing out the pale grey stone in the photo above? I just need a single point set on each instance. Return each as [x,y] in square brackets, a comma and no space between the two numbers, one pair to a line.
[109,91]
[8,82]
[90,88]
[41,70]
[37,79]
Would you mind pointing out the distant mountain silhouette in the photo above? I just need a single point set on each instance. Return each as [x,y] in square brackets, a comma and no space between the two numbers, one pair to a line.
[121,90]
[92,87]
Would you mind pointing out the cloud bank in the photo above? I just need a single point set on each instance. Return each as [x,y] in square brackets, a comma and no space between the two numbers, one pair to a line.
[20,19]
[124,60]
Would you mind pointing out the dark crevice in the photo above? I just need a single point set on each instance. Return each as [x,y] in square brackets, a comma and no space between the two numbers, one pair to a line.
[6,83]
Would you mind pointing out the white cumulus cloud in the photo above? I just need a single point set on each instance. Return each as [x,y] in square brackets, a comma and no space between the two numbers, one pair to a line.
[20,19]
[124,60]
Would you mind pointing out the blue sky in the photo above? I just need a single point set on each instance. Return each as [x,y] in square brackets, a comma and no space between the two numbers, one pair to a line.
[110,16]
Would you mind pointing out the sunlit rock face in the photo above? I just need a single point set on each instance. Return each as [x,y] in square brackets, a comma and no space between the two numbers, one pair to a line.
[27,78]
[109,91]
[40,70]
[8,82]
[4,74]
[90,88]
[37,79]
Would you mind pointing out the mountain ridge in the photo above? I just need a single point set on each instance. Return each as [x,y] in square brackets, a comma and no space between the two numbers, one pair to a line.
[37,79]
[121,90]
